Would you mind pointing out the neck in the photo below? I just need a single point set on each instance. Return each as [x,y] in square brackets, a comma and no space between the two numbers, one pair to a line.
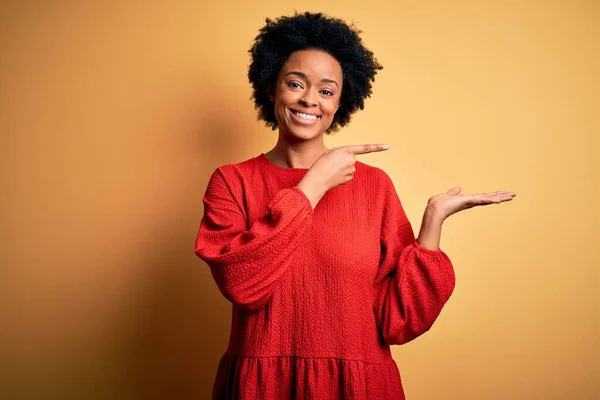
[299,154]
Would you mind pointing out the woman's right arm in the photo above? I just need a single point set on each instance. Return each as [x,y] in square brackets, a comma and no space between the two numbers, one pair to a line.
[246,263]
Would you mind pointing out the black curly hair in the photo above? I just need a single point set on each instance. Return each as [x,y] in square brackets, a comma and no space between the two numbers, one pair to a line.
[280,37]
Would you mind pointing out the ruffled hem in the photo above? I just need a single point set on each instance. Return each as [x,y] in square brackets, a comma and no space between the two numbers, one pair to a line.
[286,377]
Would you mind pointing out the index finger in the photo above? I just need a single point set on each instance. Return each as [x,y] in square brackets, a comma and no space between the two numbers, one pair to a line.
[366,148]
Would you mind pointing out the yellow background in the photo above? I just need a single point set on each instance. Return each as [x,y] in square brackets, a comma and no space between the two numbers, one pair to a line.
[113,115]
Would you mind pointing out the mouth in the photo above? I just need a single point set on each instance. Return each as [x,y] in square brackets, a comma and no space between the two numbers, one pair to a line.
[305,118]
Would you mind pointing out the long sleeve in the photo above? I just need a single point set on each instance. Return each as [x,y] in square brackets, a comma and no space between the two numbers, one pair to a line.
[412,283]
[247,261]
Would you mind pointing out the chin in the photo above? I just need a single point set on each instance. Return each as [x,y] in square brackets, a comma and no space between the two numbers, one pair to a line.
[304,133]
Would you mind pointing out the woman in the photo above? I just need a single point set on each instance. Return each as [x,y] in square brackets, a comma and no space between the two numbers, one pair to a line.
[312,247]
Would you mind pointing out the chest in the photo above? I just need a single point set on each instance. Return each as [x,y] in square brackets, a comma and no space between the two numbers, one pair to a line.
[344,236]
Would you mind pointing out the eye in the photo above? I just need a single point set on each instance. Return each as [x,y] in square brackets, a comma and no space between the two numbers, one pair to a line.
[327,92]
[294,85]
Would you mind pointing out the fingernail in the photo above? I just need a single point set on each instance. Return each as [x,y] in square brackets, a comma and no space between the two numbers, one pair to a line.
[385,146]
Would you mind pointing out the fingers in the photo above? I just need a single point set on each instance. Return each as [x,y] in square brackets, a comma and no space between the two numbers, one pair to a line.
[455,190]
[500,194]
[366,148]
[503,196]
[494,198]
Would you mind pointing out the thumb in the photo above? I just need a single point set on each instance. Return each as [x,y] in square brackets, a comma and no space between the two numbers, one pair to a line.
[454,191]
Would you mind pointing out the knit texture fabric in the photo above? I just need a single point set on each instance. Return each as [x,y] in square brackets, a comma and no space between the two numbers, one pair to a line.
[318,295]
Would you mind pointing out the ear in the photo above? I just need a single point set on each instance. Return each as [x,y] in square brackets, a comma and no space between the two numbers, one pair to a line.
[271,93]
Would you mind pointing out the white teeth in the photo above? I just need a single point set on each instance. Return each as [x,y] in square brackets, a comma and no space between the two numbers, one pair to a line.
[305,116]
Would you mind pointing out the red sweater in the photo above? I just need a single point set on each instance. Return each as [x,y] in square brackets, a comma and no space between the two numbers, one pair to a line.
[318,295]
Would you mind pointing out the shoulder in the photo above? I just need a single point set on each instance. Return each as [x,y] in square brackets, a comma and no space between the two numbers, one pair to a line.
[368,174]
[379,190]
[237,171]
[230,177]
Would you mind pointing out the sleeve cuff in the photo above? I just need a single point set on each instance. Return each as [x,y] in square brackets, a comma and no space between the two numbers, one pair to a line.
[422,249]
[303,196]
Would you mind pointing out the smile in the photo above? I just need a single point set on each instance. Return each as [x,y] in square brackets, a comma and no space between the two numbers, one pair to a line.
[304,118]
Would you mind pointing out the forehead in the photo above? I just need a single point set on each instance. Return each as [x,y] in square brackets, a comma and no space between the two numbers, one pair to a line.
[314,63]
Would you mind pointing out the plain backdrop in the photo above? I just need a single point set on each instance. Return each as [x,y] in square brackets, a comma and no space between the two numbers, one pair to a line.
[114,114]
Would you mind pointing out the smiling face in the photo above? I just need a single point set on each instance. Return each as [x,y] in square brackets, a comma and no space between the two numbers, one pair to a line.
[307,94]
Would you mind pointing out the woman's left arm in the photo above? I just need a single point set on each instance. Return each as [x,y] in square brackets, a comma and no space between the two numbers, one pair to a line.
[415,278]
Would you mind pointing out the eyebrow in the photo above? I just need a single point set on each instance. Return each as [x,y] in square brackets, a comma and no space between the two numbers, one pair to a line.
[303,75]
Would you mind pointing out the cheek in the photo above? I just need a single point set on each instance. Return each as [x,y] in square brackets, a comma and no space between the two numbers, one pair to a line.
[330,108]
[280,104]
[285,98]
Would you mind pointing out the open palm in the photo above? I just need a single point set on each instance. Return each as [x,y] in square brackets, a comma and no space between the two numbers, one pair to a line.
[446,204]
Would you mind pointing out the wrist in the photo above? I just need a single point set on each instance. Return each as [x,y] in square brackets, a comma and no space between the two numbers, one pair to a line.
[313,189]
[431,230]
[432,215]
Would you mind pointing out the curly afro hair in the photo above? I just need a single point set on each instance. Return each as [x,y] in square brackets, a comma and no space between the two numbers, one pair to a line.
[280,37]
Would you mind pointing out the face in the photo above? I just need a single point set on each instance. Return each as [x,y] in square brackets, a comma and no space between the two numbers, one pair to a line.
[307,94]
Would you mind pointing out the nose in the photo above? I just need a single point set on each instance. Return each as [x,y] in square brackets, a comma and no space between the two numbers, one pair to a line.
[308,99]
